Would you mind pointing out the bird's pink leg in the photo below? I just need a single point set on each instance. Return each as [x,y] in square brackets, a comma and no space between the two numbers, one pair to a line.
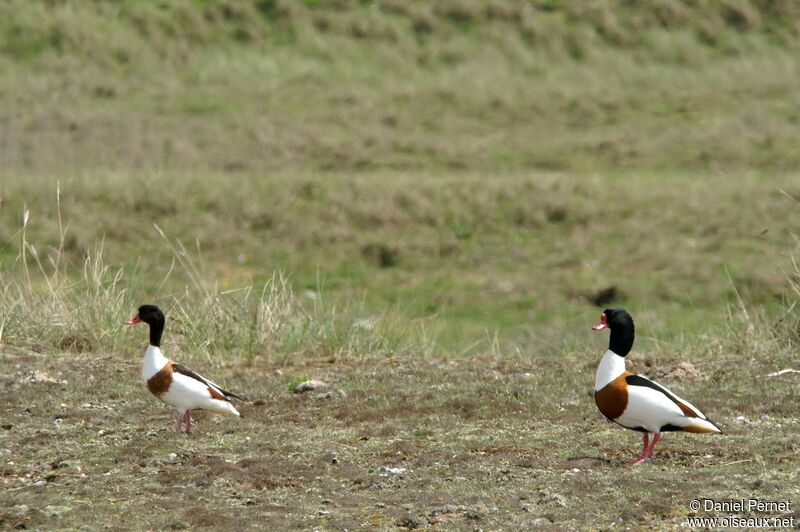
[178,417]
[653,443]
[644,456]
[188,422]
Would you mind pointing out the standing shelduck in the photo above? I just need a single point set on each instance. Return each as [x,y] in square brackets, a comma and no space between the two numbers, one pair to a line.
[174,383]
[634,401]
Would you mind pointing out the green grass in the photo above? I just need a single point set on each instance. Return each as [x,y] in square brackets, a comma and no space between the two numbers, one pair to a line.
[493,440]
[467,256]
[346,86]
[425,205]
[485,401]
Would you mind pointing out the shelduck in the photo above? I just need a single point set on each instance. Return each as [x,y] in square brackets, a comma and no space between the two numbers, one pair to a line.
[174,383]
[634,401]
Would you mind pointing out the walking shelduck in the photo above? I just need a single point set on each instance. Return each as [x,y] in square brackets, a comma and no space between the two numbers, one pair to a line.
[634,401]
[174,383]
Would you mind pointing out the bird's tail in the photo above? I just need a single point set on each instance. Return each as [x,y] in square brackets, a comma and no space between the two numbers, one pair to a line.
[696,424]
[224,407]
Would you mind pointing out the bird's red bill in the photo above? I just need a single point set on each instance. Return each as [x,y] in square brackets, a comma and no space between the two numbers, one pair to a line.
[134,320]
[603,323]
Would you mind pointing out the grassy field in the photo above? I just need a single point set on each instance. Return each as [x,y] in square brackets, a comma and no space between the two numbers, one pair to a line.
[529,256]
[426,205]
[346,85]
[497,440]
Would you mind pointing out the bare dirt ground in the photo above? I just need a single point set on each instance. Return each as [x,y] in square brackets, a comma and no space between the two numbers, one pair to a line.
[480,443]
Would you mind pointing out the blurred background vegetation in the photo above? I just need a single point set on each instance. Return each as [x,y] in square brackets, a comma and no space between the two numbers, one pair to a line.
[344,85]
[488,167]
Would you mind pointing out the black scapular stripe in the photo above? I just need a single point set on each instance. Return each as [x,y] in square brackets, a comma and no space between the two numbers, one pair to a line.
[183,370]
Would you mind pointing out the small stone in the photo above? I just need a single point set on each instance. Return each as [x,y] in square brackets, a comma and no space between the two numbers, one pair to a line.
[39,483]
[742,420]
[101,432]
[323,511]
[172,457]
[20,510]
[310,386]
[40,376]
[554,499]
[540,522]
[384,470]
[330,394]
[763,418]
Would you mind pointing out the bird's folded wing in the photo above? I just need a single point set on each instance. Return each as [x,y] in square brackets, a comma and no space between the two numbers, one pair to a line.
[686,407]
[225,394]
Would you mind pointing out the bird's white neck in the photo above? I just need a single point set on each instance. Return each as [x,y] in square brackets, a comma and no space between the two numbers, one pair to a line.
[611,366]
[154,360]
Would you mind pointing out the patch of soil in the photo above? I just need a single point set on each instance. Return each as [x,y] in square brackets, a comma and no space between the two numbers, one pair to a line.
[684,371]
[586,462]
